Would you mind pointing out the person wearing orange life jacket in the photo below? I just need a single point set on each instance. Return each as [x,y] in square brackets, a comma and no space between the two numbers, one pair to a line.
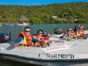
[27,39]
[40,35]
[39,38]
[68,34]
[34,43]
[45,41]
[23,39]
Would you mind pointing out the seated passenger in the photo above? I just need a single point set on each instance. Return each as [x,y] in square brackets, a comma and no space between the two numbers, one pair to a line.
[35,43]
[24,39]
[45,41]
[68,34]
[80,34]
[40,35]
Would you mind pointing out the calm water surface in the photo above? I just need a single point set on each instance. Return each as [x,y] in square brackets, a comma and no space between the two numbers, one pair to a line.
[15,30]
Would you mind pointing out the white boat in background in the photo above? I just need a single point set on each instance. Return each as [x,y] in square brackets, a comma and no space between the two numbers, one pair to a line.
[73,52]
[23,24]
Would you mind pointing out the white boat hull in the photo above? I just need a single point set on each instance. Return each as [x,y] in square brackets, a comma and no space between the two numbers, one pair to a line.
[80,62]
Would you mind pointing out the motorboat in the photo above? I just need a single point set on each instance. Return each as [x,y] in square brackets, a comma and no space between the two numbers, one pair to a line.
[72,52]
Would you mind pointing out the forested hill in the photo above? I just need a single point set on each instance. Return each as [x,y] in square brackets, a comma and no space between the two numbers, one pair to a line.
[52,13]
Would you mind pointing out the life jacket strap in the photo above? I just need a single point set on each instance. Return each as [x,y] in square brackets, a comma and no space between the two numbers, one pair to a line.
[24,45]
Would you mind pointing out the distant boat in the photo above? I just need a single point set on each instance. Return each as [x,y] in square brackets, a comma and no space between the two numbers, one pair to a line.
[34,24]
[23,24]
[11,25]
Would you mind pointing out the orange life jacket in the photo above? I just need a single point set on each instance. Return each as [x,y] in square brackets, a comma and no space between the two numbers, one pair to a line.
[40,38]
[27,40]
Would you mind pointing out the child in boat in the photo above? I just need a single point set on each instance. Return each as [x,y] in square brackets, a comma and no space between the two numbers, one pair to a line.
[35,43]
[73,33]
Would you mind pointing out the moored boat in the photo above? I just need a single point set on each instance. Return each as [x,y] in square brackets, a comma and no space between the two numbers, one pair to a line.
[10,25]
[23,24]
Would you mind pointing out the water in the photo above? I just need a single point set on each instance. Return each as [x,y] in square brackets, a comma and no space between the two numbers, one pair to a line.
[15,30]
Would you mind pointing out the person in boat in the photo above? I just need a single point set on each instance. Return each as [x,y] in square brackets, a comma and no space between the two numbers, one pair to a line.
[45,41]
[24,39]
[69,34]
[40,35]
[35,43]
[79,32]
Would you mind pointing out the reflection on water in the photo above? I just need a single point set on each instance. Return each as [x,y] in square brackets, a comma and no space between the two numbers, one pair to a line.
[34,28]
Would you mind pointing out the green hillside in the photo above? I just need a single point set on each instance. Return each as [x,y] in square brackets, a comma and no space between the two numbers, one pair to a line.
[64,13]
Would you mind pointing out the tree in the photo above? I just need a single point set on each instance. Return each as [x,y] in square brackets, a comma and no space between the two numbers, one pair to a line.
[82,21]
[11,13]
[35,20]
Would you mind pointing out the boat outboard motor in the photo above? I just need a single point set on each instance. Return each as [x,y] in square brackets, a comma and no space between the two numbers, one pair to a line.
[4,37]
[57,30]
[44,33]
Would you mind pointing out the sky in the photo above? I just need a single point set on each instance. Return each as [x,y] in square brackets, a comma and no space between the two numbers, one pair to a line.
[36,2]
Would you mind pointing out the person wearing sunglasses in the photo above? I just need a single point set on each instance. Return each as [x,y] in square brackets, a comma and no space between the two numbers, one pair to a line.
[44,41]
[24,39]
[40,35]
[80,34]
[68,34]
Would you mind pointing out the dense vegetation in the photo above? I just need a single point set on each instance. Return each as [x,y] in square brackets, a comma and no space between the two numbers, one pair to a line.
[65,12]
